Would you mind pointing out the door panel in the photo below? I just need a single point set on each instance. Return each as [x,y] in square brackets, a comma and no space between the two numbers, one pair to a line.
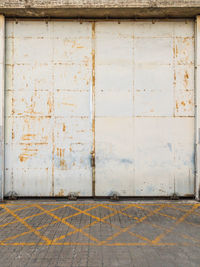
[144,108]
[48,128]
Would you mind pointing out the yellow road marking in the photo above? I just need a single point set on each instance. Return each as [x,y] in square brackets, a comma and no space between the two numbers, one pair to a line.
[83,228]
[160,213]
[68,224]
[121,212]
[155,242]
[22,208]
[181,219]
[28,232]
[130,226]
[95,244]
[47,240]
[31,216]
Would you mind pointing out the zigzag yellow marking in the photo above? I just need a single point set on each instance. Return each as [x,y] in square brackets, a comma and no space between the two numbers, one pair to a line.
[48,241]
[31,216]
[23,208]
[90,224]
[28,232]
[130,226]
[68,224]
[155,242]
[120,212]
[71,233]
[181,219]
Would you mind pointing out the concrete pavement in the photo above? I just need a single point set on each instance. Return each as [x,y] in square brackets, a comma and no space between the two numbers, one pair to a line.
[99,233]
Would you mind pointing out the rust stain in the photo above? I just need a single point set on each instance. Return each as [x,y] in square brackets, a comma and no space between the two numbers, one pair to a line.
[176,52]
[185,40]
[174,75]
[67,104]
[13,134]
[64,127]
[27,153]
[177,105]
[63,164]
[13,101]
[28,137]
[61,193]
[186,77]
[49,103]
[60,154]
[23,158]
[183,103]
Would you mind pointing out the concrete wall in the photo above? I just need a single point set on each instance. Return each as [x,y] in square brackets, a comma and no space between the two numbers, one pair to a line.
[100,8]
[2,63]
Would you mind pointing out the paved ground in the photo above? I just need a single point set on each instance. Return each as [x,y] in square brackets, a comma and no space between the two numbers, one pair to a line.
[91,233]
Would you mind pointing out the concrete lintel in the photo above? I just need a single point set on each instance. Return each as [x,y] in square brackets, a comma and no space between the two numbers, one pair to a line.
[2,77]
[100,8]
[101,13]
[99,3]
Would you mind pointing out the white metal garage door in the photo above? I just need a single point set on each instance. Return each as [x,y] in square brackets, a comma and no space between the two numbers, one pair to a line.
[133,83]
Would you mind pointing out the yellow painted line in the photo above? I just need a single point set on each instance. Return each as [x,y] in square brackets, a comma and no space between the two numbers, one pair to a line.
[181,219]
[22,208]
[121,212]
[175,208]
[194,224]
[130,226]
[5,224]
[43,226]
[140,244]
[80,211]
[103,220]
[48,241]
[127,244]
[84,227]
[28,232]
[31,216]
[192,238]
[86,213]
[162,213]
[140,237]
[94,244]
[90,224]
[92,206]
[68,224]
[115,226]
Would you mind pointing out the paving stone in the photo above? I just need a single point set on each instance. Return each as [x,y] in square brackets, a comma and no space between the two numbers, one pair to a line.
[99,233]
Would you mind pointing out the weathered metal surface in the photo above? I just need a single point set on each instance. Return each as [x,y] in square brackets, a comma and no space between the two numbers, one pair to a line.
[100,108]
[145,108]
[48,132]
[2,82]
[197,107]
[93,110]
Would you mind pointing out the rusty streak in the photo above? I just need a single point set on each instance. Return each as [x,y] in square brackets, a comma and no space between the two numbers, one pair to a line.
[93,108]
